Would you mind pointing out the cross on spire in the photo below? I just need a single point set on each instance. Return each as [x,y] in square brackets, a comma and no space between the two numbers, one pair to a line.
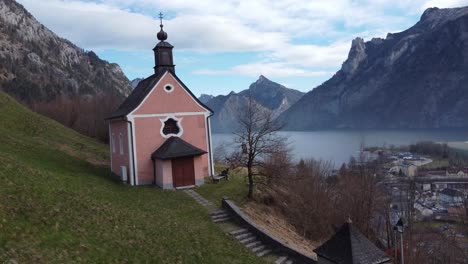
[161,16]
[161,35]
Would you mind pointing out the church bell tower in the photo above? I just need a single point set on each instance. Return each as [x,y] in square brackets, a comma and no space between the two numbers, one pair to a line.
[163,52]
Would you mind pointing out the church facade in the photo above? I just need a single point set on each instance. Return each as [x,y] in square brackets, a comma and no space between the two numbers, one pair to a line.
[161,133]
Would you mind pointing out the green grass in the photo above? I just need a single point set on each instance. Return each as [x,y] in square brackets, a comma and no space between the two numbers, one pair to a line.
[235,189]
[58,205]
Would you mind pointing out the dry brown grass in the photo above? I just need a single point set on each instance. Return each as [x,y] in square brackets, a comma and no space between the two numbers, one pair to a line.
[274,222]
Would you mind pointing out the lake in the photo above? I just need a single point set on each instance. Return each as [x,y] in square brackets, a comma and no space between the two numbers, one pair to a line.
[339,145]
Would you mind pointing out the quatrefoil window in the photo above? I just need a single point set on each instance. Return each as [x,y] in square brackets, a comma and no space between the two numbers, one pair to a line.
[171,127]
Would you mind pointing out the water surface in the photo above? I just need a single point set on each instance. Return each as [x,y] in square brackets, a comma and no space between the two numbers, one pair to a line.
[339,145]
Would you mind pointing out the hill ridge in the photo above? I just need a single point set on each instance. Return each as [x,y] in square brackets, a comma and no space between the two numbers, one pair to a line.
[411,79]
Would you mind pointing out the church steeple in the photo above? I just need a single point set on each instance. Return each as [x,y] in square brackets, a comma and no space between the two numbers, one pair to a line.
[163,52]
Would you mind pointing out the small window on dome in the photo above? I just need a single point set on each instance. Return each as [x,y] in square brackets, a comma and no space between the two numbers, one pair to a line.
[171,127]
[168,88]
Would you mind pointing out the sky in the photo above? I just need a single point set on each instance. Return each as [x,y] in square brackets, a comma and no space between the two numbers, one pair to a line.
[225,45]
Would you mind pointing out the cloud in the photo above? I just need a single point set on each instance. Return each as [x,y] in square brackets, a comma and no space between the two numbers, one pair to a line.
[314,55]
[295,37]
[270,69]
[93,25]
[445,3]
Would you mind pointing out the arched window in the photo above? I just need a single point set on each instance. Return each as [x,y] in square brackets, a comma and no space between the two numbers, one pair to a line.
[171,127]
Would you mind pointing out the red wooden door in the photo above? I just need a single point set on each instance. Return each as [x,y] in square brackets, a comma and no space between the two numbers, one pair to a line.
[183,172]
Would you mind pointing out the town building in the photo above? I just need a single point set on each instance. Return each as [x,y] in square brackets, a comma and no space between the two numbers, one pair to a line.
[409,170]
[161,133]
[451,196]
[461,172]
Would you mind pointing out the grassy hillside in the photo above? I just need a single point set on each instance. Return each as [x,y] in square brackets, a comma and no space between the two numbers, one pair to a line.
[59,204]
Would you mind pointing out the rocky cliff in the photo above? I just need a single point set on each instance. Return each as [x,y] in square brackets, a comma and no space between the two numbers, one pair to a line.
[134,83]
[269,95]
[37,65]
[205,98]
[417,78]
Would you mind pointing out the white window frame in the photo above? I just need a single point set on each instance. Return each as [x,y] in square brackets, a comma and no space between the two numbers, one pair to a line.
[113,143]
[121,144]
[179,124]
[168,85]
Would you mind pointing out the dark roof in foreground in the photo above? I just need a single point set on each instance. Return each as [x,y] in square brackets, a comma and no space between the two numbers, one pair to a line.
[349,246]
[175,147]
[142,90]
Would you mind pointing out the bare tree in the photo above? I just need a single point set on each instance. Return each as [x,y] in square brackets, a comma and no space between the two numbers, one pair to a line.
[255,140]
[85,114]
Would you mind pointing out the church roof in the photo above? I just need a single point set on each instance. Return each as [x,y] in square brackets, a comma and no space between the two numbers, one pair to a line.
[349,246]
[175,147]
[163,44]
[142,90]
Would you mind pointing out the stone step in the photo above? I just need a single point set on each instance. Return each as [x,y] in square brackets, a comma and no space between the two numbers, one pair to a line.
[281,260]
[258,248]
[264,252]
[247,240]
[239,231]
[218,212]
[214,217]
[253,244]
[242,236]
[219,220]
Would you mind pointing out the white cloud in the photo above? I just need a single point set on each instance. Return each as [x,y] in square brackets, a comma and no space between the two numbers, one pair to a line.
[94,26]
[445,3]
[270,69]
[314,55]
[296,36]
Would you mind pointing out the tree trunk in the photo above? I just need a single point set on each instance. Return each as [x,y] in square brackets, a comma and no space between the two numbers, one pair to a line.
[251,185]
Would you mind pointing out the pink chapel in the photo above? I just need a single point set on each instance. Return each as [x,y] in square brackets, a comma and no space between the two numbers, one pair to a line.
[160,135]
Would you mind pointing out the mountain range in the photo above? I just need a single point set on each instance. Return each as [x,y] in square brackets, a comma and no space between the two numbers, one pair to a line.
[268,94]
[417,78]
[37,65]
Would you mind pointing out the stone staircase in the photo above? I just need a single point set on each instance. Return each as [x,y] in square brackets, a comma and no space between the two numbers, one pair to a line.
[283,260]
[251,242]
[220,216]
[243,235]
[247,238]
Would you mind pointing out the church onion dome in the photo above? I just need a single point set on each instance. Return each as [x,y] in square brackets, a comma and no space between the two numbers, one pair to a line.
[162,35]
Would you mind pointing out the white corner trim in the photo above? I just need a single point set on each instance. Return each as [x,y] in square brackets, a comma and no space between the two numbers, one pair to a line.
[208,147]
[211,148]
[179,124]
[130,151]
[146,97]
[135,168]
